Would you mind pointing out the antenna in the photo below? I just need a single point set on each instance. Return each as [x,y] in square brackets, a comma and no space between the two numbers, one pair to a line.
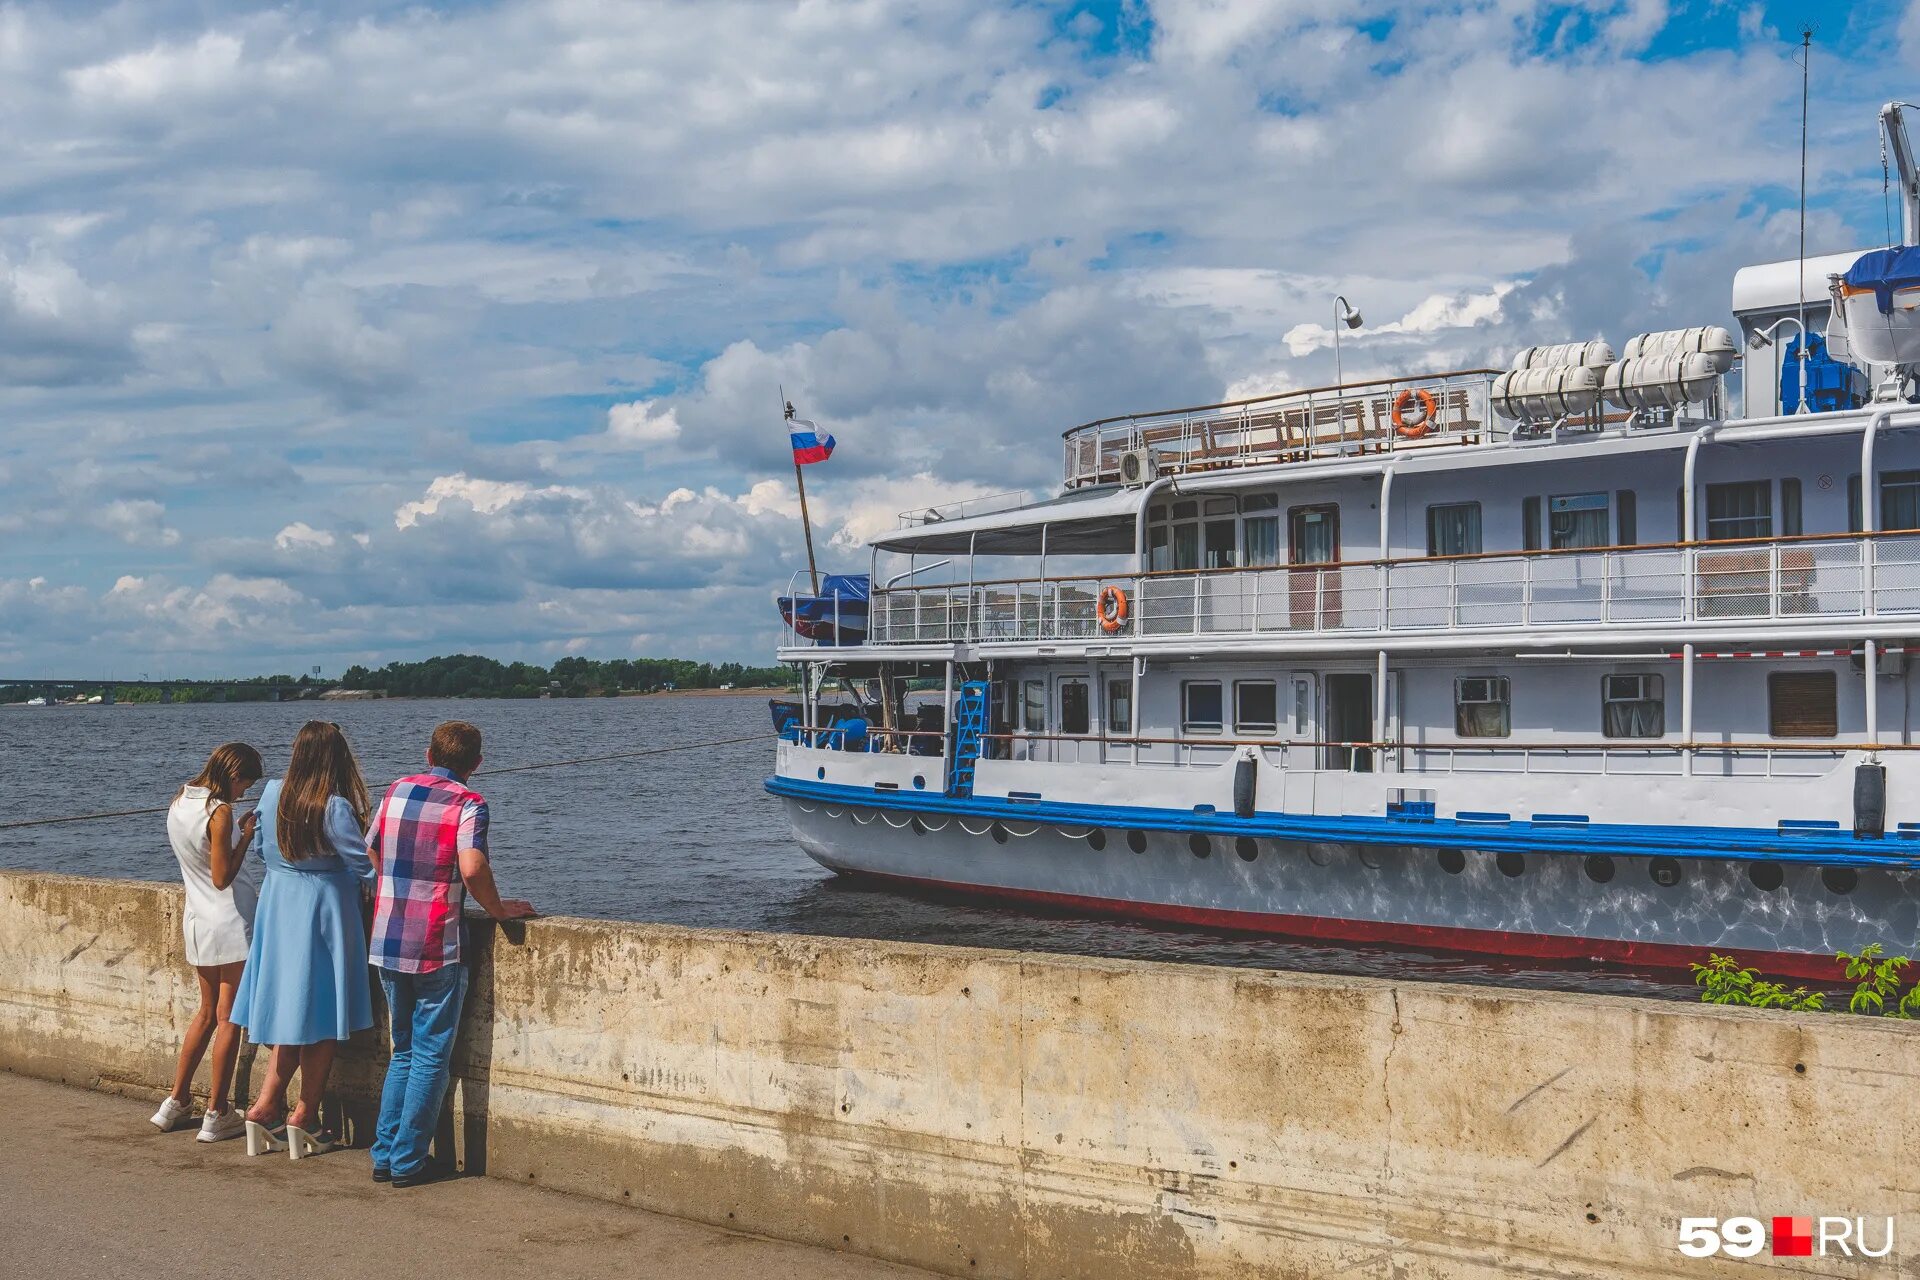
[1806,62]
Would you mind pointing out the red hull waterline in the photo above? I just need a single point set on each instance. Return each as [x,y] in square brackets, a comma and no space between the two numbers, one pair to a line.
[1658,957]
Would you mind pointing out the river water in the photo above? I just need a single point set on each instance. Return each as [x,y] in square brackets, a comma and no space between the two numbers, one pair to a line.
[689,838]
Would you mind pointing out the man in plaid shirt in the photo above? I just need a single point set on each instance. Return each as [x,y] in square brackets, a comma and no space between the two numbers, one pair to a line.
[429,840]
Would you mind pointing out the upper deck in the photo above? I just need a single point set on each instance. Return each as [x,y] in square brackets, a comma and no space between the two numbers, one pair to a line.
[1314,422]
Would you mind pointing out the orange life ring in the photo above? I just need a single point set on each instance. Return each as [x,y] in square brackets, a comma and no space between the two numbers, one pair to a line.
[1113,609]
[1429,409]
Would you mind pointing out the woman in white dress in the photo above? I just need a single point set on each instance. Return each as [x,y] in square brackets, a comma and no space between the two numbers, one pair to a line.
[218,925]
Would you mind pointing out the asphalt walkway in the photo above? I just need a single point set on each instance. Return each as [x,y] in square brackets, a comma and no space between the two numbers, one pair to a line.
[89,1189]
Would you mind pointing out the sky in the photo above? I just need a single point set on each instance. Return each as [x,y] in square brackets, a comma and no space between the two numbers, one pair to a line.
[357,332]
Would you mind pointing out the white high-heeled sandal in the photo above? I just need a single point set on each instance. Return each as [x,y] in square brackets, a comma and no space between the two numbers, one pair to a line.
[263,1141]
[301,1143]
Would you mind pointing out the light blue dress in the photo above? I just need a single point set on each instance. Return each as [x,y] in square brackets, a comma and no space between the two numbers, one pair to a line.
[306,977]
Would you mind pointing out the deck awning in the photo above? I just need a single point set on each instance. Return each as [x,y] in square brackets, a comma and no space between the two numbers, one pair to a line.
[1092,521]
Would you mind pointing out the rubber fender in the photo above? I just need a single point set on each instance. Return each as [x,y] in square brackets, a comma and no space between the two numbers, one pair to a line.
[1869,801]
[1245,770]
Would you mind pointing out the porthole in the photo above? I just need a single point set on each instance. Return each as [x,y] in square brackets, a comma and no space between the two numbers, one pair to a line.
[1452,861]
[1137,841]
[1511,864]
[1599,867]
[1096,840]
[919,782]
[1200,846]
[1369,857]
[919,827]
[1247,847]
[1664,872]
[821,772]
[998,832]
[1839,879]
[1320,855]
[1766,876]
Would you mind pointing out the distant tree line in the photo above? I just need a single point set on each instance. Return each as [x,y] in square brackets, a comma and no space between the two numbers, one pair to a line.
[465,675]
[247,689]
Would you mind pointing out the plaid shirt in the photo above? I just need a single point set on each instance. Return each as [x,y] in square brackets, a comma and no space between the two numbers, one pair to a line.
[422,825]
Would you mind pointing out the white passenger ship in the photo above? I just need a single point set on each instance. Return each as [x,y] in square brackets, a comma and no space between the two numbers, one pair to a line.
[1603,656]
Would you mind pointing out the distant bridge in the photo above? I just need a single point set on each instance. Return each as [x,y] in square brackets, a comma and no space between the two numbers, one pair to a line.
[54,689]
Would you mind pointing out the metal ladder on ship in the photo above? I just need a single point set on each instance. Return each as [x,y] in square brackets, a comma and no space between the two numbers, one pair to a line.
[969,732]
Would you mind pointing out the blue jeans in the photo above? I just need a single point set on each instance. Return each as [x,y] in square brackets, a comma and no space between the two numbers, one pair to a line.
[424,1009]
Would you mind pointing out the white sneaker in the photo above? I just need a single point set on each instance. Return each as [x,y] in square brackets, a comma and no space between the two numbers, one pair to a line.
[217,1127]
[171,1113]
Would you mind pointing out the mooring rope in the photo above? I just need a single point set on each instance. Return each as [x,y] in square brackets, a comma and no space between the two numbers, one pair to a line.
[516,768]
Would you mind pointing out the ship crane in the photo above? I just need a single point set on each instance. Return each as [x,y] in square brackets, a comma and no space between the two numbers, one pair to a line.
[1893,131]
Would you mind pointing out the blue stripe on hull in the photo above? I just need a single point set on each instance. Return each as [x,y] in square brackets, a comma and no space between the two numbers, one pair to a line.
[1831,847]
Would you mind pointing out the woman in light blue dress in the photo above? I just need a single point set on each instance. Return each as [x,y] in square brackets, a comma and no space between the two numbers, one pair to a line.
[306,987]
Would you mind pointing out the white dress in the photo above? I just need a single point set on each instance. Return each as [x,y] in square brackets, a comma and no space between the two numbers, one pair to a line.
[218,923]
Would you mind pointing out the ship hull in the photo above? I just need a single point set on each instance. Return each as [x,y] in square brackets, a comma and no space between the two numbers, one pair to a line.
[1534,907]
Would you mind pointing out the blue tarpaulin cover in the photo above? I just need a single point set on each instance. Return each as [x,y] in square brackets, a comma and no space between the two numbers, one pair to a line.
[1885,270]
[843,597]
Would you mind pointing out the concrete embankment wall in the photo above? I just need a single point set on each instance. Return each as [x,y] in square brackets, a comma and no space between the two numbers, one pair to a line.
[986,1113]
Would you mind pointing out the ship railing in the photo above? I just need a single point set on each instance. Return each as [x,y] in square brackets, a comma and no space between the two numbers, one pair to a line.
[1782,579]
[1629,758]
[964,508]
[1313,422]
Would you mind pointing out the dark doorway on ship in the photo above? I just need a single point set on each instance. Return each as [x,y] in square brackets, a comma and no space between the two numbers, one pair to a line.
[1349,719]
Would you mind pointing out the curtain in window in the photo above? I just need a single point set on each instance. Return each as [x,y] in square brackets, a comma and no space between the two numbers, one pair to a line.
[1642,718]
[1742,510]
[1481,719]
[1033,711]
[1578,520]
[1263,540]
[1900,500]
[1454,530]
[1186,546]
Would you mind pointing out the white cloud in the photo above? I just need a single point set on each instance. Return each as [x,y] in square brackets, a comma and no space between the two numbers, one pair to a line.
[483,496]
[301,534]
[636,423]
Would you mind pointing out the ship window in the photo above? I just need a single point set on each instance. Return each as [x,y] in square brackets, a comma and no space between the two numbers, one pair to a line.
[1453,529]
[1577,520]
[1791,523]
[1633,706]
[1200,706]
[1740,510]
[1185,510]
[1260,502]
[1033,706]
[1221,506]
[1256,706]
[1119,706]
[1627,517]
[1263,540]
[1074,712]
[1530,524]
[1854,521]
[1220,539]
[1186,546]
[1482,707]
[1803,704]
[1159,557]
[1900,500]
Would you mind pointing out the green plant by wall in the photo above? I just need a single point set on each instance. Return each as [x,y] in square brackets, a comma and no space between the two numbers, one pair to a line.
[1723,980]
[1875,975]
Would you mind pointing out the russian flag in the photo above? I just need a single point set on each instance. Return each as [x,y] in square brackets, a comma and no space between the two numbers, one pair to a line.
[809,444]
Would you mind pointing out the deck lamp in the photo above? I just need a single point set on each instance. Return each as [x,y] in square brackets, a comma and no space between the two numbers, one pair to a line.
[1344,313]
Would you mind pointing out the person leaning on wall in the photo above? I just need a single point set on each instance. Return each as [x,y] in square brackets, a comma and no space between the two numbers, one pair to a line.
[429,842]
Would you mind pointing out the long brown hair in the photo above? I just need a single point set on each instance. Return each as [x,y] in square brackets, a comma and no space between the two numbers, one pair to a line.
[322,767]
[229,771]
